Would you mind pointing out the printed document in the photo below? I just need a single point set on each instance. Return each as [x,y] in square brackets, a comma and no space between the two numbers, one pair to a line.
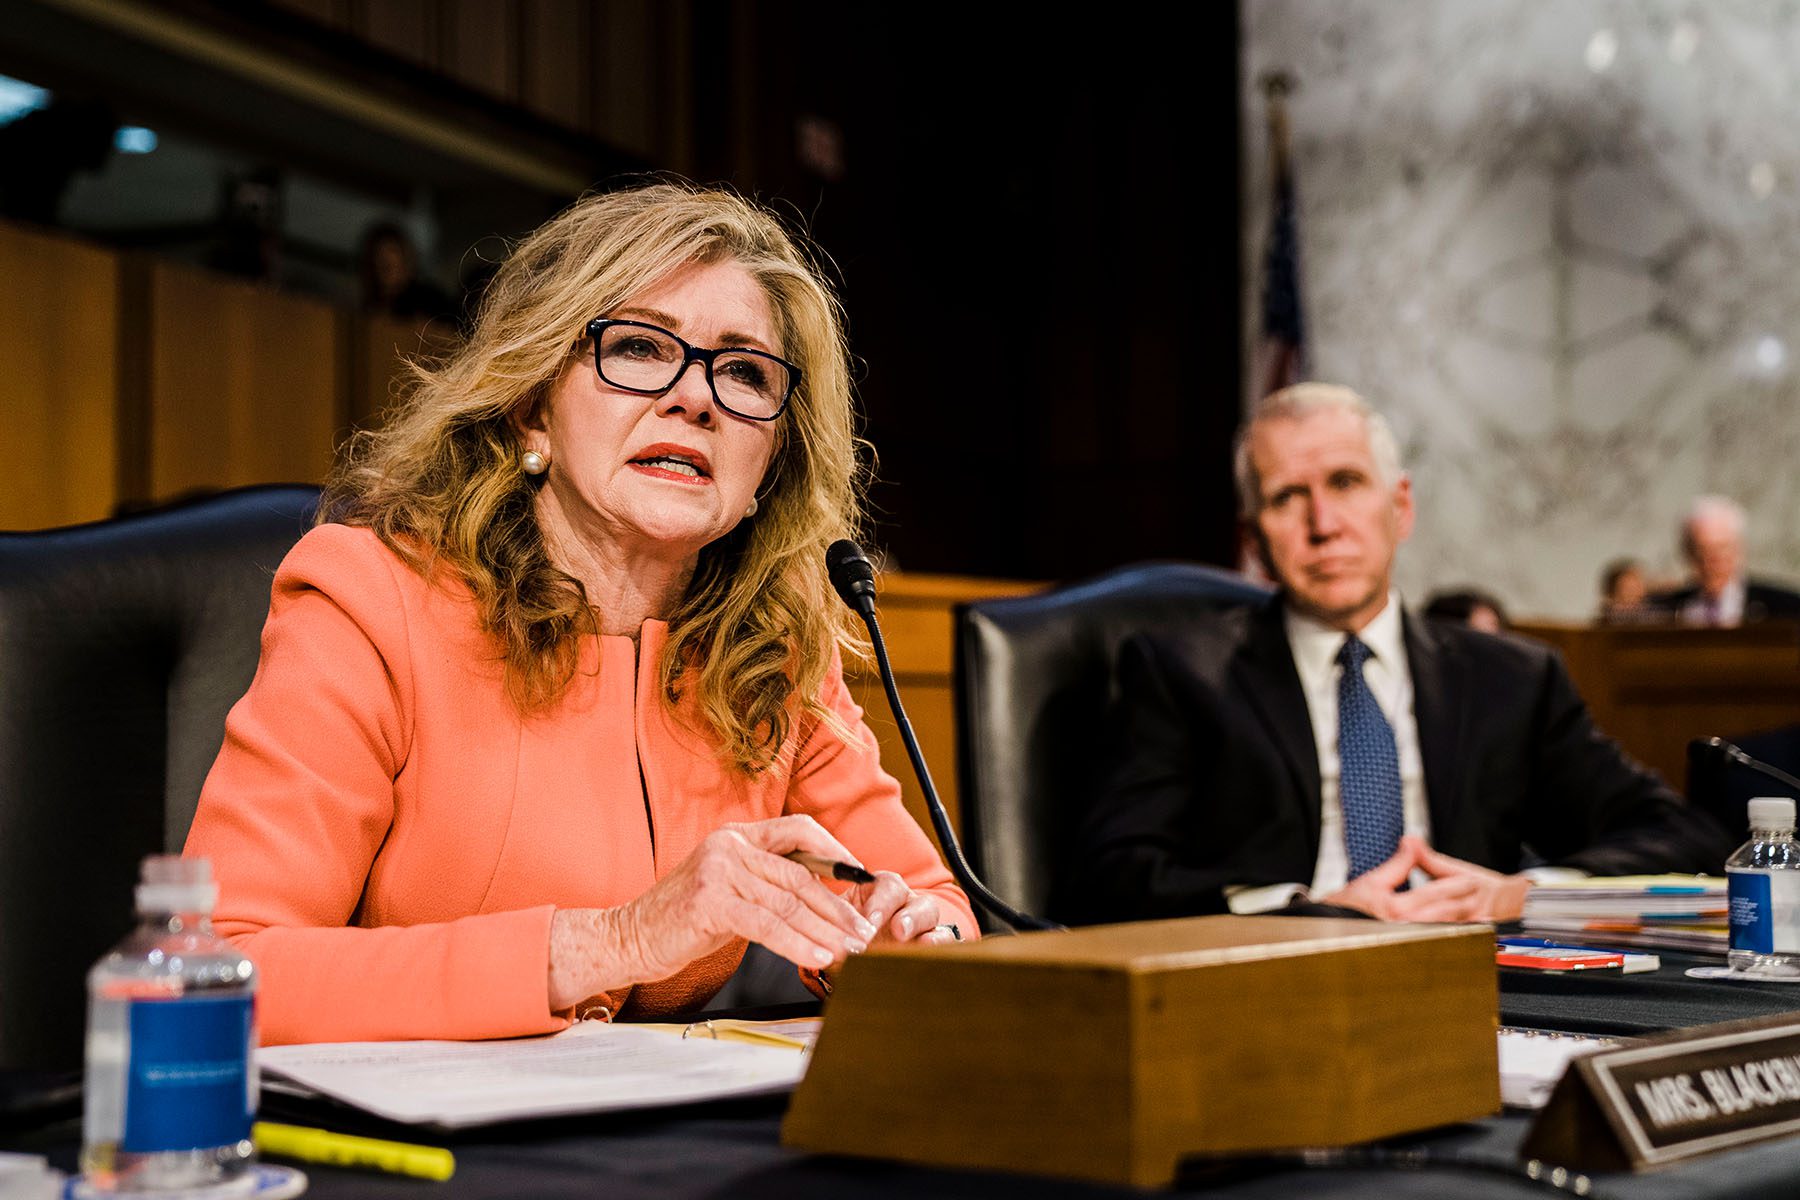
[590,1067]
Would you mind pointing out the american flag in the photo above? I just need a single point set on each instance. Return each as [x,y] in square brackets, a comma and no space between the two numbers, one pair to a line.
[1281,355]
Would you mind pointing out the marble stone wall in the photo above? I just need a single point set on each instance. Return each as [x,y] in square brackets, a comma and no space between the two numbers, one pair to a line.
[1558,242]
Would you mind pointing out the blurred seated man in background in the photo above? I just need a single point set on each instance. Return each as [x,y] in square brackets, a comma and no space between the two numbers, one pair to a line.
[1328,746]
[1712,541]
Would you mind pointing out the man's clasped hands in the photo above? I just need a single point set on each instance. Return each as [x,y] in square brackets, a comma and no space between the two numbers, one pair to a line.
[1456,890]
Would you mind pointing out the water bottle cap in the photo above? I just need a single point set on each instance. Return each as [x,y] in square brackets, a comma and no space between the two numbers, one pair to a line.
[1771,812]
[173,884]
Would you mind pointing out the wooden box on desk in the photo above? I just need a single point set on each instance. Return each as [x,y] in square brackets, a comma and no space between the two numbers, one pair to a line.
[1113,1053]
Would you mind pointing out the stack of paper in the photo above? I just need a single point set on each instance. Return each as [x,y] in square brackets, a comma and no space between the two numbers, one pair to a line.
[590,1067]
[1671,912]
[1532,1062]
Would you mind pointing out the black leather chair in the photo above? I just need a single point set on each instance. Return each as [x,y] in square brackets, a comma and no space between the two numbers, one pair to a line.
[122,646]
[1724,788]
[1033,679]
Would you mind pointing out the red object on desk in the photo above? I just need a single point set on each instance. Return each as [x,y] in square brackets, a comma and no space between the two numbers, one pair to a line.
[1556,958]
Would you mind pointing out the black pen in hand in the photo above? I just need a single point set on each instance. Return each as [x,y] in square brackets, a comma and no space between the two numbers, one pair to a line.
[827,868]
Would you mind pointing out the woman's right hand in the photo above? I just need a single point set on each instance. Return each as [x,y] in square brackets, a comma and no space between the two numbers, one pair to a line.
[735,883]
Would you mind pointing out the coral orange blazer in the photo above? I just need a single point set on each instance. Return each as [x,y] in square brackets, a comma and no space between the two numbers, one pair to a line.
[391,836]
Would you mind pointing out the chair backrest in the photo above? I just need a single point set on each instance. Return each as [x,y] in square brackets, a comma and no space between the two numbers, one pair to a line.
[1724,789]
[1034,675]
[122,646]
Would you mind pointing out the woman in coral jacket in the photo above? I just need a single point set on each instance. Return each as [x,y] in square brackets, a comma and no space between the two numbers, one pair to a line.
[554,686]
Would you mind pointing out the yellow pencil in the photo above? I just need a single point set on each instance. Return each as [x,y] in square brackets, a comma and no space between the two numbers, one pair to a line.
[344,1150]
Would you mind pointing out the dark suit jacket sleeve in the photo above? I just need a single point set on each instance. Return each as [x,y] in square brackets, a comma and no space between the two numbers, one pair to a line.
[1597,809]
[1768,601]
[1670,602]
[1133,857]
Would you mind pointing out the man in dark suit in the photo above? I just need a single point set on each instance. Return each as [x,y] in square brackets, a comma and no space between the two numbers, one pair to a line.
[1328,747]
[1712,540]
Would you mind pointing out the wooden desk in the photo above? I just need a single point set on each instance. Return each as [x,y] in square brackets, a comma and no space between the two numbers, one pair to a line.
[1655,688]
[733,1148]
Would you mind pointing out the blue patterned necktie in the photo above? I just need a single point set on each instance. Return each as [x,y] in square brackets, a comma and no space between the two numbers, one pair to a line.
[1368,766]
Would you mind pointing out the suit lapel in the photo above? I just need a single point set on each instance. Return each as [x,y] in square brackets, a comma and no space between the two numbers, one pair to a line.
[1264,669]
[1440,704]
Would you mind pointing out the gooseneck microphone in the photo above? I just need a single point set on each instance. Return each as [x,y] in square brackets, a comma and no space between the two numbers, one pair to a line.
[854,578]
[853,575]
[1735,754]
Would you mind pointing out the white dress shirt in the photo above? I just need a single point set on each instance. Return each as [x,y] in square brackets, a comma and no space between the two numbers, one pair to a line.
[1727,612]
[1315,649]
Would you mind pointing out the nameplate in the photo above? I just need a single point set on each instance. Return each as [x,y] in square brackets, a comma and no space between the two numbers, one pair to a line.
[1674,1096]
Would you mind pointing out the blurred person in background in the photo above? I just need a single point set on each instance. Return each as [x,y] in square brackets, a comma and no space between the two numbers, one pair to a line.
[247,233]
[1625,595]
[1721,596]
[388,270]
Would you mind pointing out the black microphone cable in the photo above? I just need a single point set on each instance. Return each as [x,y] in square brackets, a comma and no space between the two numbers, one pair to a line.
[854,578]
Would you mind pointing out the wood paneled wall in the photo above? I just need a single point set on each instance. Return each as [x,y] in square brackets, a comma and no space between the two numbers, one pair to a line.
[380,347]
[131,381]
[616,70]
[59,376]
[245,383]
[1655,689]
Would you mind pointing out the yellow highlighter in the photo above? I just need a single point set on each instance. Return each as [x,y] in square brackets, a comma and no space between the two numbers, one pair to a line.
[343,1150]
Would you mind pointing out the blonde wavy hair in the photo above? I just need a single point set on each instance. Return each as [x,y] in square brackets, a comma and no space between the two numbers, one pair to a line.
[440,482]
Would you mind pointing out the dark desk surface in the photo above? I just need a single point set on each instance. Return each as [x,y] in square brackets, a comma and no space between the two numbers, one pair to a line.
[1605,1002]
[734,1150]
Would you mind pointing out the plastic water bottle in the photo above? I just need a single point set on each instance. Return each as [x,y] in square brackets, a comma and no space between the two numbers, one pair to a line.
[171,1071]
[1763,880]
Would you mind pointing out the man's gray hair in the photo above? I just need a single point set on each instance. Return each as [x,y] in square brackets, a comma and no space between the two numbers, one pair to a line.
[1303,400]
[1710,507]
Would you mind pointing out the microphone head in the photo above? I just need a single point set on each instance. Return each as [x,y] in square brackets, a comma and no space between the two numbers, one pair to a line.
[851,572]
[1729,751]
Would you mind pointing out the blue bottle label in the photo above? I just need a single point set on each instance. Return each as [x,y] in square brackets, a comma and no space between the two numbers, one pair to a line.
[188,1083]
[1752,916]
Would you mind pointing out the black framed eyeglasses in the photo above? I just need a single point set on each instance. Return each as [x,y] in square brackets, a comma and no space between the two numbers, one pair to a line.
[647,359]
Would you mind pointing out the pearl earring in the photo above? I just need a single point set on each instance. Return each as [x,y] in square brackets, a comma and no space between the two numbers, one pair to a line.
[533,463]
[751,511]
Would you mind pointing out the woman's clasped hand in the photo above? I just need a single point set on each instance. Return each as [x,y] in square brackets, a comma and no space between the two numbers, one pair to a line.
[735,884]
